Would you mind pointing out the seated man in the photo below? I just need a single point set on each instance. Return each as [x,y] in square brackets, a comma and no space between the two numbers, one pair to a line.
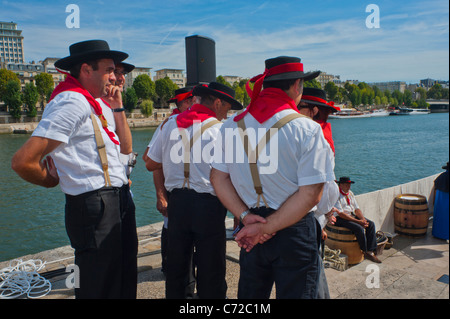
[351,217]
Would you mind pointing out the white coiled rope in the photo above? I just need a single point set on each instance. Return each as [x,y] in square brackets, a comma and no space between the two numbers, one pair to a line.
[22,278]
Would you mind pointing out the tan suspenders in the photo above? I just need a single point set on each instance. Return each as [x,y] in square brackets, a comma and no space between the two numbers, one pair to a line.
[101,150]
[253,155]
[188,146]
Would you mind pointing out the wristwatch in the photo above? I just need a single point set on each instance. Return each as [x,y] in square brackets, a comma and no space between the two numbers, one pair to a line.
[118,110]
[245,213]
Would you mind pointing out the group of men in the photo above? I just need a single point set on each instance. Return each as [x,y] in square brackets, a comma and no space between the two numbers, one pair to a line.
[271,166]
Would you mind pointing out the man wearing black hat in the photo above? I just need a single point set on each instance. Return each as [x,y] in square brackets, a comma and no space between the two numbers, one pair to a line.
[183,100]
[196,216]
[350,216]
[314,105]
[76,147]
[283,247]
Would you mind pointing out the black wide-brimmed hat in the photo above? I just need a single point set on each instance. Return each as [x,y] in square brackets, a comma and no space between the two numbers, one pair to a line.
[318,97]
[127,67]
[287,68]
[344,179]
[221,91]
[445,167]
[181,94]
[89,50]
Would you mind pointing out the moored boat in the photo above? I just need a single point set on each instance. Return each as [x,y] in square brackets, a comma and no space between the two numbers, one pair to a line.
[420,111]
[379,112]
[348,113]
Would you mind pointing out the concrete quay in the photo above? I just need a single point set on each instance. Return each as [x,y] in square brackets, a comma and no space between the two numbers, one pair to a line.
[411,269]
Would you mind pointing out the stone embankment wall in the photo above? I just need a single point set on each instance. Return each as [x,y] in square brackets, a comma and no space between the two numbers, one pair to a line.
[378,206]
[26,124]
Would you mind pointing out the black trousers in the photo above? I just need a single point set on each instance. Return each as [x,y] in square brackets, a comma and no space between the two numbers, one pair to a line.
[101,226]
[290,260]
[367,237]
[196,220]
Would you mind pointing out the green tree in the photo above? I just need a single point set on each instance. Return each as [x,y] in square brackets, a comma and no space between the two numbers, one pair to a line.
[13,99]
[398,96]
[144,87]
[220,79]
[355,96]
[130,99]
[435,92]
[377,100]
[147,107]
[312,84]
[30,98]
[422,93]
[44,85]
[332,90]
[165,89]
[407,98]
[5,76]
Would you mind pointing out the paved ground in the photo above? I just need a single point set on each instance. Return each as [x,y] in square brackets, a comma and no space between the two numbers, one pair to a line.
[411,269]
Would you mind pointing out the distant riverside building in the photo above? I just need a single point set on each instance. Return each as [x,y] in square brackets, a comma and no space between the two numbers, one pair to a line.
[135,73]
[390,86]
[25,71]
[324,78]
[176,75]
[232,78]
[49,67]
[11,43]
[428,83]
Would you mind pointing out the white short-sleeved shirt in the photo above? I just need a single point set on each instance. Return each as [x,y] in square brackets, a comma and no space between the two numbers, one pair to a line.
[67,119]
[343,206]
[297,155]
[167,148]
[330,195]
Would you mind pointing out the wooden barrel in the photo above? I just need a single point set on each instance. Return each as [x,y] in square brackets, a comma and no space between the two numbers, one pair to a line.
[344,239]
[411,215]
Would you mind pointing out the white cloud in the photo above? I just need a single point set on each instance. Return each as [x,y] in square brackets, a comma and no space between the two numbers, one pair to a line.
[412,42]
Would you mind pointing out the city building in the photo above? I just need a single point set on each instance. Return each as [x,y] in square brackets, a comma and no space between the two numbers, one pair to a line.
[390,86]
[135,73]
[49,67]
[25,71]
[232,78]
[176,75]
[428,83]
[324,78]
[11,43]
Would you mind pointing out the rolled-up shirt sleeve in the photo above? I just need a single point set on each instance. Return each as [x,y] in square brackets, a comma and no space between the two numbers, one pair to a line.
[315,165]
[62,117]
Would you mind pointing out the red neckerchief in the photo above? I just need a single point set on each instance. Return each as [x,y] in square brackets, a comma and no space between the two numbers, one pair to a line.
[196,112]
[346,195]
[326,129]
[269,102]
[72,84]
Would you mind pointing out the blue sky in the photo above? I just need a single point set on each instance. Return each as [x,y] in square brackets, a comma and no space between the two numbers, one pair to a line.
[412,42]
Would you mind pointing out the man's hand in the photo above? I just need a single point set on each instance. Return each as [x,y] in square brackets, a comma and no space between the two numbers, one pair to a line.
[51,168]
[114,97]
[250,236]
[161,205]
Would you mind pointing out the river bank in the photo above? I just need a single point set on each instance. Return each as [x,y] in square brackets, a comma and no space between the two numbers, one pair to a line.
[26,125]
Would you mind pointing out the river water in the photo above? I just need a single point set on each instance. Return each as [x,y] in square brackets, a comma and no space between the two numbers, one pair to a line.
[375,152]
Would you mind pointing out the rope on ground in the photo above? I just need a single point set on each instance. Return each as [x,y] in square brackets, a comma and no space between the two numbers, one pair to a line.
[21,278]
[332,259]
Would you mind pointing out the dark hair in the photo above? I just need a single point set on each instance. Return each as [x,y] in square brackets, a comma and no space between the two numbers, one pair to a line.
[281,84]
[207,99]
[75,70]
